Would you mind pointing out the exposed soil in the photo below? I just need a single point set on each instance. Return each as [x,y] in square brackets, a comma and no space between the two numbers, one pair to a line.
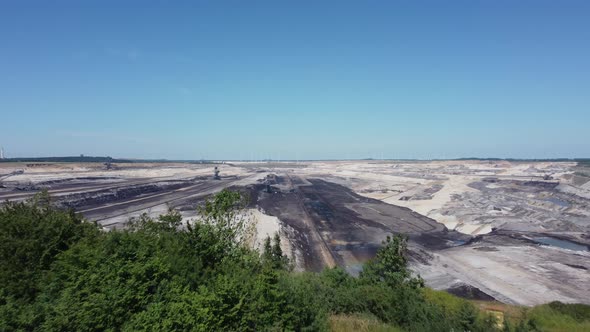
[470,292]
[504,207]
[333,220]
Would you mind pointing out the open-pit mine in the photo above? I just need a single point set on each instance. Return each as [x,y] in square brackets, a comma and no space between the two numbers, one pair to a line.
[516,232]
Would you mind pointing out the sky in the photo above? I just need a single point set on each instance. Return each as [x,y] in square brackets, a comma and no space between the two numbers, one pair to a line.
[295,79]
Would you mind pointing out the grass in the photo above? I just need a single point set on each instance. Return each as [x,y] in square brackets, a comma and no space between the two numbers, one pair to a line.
[557,317]
[359,323]
[508,310]
[551,317]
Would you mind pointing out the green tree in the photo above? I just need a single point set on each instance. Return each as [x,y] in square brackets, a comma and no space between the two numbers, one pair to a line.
[32,234]
[273,254]
[62,273]
[468,317]
[507,326]
[390,264]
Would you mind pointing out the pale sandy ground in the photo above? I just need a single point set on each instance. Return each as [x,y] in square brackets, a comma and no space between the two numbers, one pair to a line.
[524,275]
[267,226]
[390,181]
[67,171]
[456,184]
[386,181]
[155,211]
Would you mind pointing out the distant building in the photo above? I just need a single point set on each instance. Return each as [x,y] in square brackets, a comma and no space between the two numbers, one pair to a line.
[1,152]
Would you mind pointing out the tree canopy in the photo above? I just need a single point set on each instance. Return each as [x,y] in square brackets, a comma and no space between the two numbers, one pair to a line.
[62,273]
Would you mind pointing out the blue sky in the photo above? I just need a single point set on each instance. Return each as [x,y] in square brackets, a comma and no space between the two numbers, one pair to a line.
[295,79]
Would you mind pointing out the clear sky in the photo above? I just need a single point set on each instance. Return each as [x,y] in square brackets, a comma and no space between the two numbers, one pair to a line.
[295,79]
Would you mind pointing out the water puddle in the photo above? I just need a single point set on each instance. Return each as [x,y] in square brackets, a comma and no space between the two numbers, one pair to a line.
[564,244]
[558,201]
[456,243]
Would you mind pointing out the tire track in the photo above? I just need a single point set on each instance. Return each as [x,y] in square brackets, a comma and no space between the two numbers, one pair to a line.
[326,254]
[176,194]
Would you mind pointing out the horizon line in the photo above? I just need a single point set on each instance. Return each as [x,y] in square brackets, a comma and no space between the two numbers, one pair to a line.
[123,159]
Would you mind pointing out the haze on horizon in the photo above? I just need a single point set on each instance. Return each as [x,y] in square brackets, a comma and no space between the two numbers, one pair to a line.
[300,80]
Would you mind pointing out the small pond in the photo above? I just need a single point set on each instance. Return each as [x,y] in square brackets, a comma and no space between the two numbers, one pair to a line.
[551,241]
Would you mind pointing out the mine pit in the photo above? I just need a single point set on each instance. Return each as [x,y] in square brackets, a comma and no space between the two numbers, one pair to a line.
[479,229]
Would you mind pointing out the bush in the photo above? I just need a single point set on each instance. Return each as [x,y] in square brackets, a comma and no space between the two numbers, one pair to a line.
[61,273]
[32,234]
[557,316]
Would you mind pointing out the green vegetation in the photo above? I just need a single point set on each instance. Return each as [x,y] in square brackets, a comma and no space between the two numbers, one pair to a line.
[60,273]
[359,323]
[557,316]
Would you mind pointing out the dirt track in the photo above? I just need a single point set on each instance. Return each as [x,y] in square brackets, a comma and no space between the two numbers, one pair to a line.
[340,227]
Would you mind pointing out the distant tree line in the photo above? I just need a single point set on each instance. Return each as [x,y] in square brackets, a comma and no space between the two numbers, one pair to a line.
[72,159]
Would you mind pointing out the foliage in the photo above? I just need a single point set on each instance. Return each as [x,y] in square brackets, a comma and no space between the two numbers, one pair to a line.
[62,273]
[579,312]
[359,323]
[557,316]
[273,256]
[462,312]
[32,234]
[390,265]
